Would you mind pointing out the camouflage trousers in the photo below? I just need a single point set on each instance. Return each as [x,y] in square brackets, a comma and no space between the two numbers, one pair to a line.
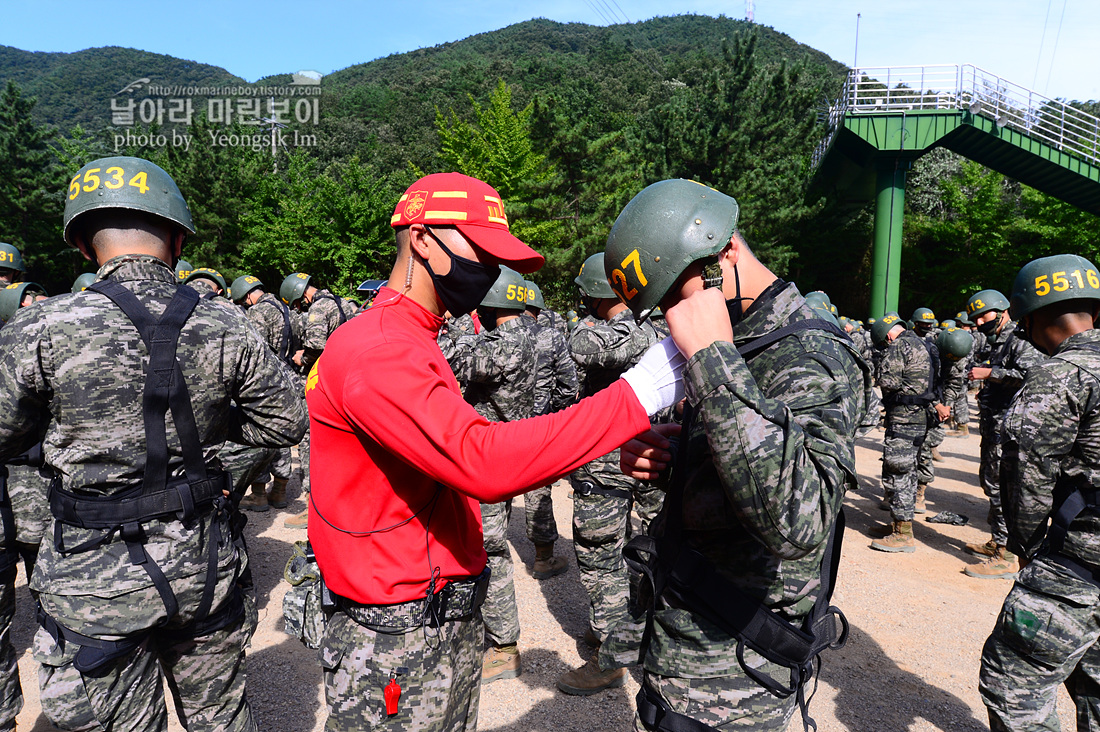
[500,612]
[725,702]
[205,674]
[960,410]
[538,508]
[11,691]
[438,670]
[247,465]
[926,469]
[601,528]
[900,451]
[303,458]
[1047,635]
[989,475]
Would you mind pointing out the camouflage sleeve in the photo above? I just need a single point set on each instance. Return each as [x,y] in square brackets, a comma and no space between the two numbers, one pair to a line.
[318,324]
[487,357]
[954,382]
[270,411]
[566,389]
[891,375]
[1019,356]
[609,346]
[1044,428]
[24,392]
[784,465]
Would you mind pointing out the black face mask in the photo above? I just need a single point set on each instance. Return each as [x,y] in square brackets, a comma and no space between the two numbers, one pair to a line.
[465,286]
[988,328]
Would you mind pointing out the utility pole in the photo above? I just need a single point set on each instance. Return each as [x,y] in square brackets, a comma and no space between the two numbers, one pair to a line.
[750,10]
[855,56]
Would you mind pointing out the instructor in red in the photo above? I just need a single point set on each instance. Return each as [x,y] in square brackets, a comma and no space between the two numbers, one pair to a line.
[400,463]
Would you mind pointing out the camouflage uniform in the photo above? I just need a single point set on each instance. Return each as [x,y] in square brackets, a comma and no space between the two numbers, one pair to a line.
[556,388]
[769,454]
[72,366]
[267,315]
[1010,357]
[497,368]
[906,368]
[602,495]
[1047,632]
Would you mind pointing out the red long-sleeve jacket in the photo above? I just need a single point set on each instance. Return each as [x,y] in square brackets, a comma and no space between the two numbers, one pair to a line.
[399,462]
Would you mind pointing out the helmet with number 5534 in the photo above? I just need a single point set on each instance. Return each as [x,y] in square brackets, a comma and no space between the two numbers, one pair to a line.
[128,183]
[1048,280]
[661,232]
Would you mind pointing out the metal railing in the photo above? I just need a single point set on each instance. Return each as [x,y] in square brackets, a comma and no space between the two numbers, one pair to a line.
[965,88]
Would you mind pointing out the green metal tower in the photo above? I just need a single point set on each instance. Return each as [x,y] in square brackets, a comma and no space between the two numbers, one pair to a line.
[888,117]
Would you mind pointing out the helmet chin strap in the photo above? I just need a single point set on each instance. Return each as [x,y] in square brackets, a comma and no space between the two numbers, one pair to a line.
[735,304]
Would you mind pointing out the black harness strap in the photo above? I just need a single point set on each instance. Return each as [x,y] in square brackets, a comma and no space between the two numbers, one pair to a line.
[670,566]
[157,497]
[285,342]
[343,317]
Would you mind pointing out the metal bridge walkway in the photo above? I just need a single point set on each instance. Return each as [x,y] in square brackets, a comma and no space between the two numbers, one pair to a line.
[887,117]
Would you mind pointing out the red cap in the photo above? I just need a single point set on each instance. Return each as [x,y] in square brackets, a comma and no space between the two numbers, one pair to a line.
[471,206]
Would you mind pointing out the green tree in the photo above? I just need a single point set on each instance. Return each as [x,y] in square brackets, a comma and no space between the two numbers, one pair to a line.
[31,193]
[333,223]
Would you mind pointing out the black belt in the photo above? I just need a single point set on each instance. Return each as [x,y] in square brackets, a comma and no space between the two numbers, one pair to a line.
[458,600]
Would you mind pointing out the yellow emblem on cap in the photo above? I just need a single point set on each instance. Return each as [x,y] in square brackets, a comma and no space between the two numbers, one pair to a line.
[414,205]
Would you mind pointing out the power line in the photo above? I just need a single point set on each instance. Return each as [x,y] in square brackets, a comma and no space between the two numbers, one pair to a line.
[1042,40]
[1054,51]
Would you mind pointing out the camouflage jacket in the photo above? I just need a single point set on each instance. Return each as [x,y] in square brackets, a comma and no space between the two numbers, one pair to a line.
[1051,445]
[603,350]
[550,319]
[953,377]
[906,371]
[321,319]
[1010,357]
[497,369]
[767,460]
[556,384]
[267,315]
[72,373]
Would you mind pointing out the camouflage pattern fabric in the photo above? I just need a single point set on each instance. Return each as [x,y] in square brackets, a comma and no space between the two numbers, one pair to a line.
[538,509]
[1047,632]
[551,319]
[497,368]
[601,521]
[68,367]
[27,489]
[11,692]
[322,317]
[205,673]
[905,371]
[1010,357]
[438,670]
[771,457]
[246,464]
[267,315]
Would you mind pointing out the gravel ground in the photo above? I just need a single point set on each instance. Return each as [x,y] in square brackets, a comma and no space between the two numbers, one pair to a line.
[911,663]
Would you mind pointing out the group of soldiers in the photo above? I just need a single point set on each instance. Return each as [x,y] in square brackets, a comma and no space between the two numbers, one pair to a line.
[704,410]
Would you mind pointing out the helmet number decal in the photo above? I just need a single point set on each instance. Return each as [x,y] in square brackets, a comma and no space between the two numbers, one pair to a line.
[618,277]
[976,304]
[517,293]
[7,257]
[116,179]
[1059,283]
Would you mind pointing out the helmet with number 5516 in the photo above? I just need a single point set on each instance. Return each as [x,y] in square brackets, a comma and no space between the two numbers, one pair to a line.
[661,232]
[1048,280]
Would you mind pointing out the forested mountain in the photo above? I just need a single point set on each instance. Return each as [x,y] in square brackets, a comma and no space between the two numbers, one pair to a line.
[567,121]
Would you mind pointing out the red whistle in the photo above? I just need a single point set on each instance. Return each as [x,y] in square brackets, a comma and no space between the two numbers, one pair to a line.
[392,693]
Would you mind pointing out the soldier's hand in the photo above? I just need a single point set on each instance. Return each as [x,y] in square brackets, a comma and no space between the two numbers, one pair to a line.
[298,357]
[699,320]
[644,457]
[943,412]
[980,372]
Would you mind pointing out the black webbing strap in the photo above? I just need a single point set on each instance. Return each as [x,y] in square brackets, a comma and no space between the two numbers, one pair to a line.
[343,317]
[656,714]
[284,351]
[587,487]
[9,555]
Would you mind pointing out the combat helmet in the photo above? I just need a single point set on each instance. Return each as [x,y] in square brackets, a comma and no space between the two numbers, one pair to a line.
[954,343]
[592,280]
[534,296]
[80,284]
[1048,280]
[509,292]
[242,286]
[205,273]
[183,268]
[924,316]
[293,288]
[10,258]
[949,324]
[11,298]
[884,325]
[128,183]
[661,232]
[982,302]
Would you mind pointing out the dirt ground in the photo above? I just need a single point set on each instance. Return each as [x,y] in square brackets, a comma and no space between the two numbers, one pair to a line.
[911,663]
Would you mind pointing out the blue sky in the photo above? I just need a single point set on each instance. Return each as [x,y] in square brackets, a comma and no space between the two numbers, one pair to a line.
[1005,37]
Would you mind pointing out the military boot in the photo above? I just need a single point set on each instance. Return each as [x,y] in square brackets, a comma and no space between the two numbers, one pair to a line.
[881,531]
[936,455]
[900,539]
[500,662]
[590,679]
[277,499]
[297,522]
[546,564]
[257,499]
[987,549]
[919,506]
[1002,565]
